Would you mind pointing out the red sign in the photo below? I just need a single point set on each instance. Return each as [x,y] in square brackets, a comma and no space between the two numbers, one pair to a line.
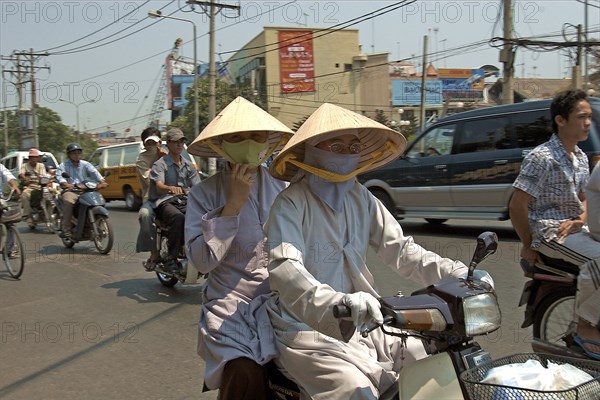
[296,65]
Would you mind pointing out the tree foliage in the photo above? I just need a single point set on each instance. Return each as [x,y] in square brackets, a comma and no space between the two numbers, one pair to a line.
[53,135]
[225,94]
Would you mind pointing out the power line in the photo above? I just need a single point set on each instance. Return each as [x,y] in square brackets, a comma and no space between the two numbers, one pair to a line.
[83,48]
[101,29]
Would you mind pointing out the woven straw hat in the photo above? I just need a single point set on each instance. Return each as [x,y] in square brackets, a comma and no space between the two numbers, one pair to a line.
[239,116]
[327,120]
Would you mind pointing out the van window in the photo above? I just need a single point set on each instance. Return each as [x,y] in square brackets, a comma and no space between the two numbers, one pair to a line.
[130,154]
[113,157]
[532,128]
[485,135]
[9,163]
[49,162]
[95,159]
[438,141]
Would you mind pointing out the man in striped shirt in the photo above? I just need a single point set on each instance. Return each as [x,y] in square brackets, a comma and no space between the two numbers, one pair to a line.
[548,207]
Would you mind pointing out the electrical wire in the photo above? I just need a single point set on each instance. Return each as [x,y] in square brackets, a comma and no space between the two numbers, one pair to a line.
[83,47]
[99,30]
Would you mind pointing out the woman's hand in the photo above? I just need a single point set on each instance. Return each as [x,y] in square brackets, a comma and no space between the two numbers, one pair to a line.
[241,180]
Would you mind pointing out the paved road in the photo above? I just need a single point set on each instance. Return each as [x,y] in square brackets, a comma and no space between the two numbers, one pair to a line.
[81,325]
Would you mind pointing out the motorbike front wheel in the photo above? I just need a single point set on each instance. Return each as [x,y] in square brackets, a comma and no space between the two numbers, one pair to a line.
[104,238]
[165,280]
[48,216]
[55,219]
[554,317]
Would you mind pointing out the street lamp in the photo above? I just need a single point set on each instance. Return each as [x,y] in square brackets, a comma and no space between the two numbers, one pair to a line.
[77,113]
[158,14]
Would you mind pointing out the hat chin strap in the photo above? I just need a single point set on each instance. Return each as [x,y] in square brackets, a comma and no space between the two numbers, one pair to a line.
[332,176]
[282,140]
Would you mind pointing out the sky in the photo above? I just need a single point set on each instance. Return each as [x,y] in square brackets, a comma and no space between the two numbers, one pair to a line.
[105,56]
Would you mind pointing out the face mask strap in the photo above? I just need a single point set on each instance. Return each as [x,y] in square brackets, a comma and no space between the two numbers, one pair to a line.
[282,141]
[218,150]
[332,176]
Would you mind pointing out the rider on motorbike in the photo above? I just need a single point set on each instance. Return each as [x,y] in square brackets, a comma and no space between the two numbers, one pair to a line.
[171,178]
[548,207]
[30,174]
[319,231]
[79,170]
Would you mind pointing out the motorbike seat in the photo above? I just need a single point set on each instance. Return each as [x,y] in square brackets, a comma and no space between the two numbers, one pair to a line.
[559,264]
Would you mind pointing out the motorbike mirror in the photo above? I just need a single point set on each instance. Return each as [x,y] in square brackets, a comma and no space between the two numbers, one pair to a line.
[27,173]
[487,243]
[65,175]
[107,173]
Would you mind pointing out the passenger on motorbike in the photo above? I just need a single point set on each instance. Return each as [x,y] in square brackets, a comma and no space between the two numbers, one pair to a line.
[548,207]
[30,174]
[224,238]
[171,178]
[79,170]
[319,231]
[146,240]
[591,291]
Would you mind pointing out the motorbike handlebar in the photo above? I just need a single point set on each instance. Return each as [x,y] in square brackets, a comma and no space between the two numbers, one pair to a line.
[341,311]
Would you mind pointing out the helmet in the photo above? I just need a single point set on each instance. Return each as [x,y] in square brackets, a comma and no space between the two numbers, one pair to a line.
[72,147]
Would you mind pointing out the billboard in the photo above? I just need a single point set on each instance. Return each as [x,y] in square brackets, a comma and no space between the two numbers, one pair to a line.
[296,63]
[408,92]
[462,84]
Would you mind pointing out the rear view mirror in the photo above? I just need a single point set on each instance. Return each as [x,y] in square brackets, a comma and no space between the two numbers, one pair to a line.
[487,243]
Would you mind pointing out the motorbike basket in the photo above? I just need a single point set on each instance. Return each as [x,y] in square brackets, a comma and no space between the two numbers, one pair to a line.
[478,390]
[12,213]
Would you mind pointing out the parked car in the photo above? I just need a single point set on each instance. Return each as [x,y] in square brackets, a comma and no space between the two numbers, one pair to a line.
[14,159]
[463,166]
[123,183]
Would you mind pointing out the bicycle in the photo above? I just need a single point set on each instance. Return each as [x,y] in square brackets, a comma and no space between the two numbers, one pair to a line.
[11,245]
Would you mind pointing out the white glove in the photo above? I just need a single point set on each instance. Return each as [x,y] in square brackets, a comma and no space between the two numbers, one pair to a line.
[365,308]
[481,275]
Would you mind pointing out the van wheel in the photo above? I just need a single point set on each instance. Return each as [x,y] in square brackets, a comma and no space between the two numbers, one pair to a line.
[386,200]
[436,221]
[132,202]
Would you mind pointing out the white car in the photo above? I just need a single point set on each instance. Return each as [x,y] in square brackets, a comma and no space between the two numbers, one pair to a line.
[14,159]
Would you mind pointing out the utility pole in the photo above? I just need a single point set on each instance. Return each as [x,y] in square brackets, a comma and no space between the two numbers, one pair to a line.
[577,67]
[423,85]
[29,129]
[507,56]
[210,7]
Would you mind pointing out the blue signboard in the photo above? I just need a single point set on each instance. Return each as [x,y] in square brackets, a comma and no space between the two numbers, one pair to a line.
[408,92]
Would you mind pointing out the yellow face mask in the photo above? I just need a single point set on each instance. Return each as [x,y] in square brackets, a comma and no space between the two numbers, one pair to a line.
[332,176]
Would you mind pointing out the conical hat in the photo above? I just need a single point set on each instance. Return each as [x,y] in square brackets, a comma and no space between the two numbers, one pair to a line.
[239,116]
[327,120]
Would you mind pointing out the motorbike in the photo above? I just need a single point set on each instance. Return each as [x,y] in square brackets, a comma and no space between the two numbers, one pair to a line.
[185,271]
[90,217]
[42,203]
[549,300]
[446,317]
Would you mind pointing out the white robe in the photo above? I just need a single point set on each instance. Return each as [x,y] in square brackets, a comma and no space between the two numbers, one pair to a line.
[316,256]
[233,322]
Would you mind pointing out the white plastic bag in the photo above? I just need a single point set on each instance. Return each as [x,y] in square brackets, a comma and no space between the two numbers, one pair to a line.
[533,375]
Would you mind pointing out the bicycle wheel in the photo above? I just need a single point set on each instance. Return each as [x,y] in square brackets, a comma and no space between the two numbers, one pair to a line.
[554,317]
[13,253]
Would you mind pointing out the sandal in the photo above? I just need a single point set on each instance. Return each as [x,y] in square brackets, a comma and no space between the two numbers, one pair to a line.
[149,264]
[582,342]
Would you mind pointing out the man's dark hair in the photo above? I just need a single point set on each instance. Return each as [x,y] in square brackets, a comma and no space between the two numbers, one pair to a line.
[564,103]
[150,131]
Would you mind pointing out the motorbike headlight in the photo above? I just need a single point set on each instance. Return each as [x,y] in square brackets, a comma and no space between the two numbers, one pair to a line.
[91,185]
[44,180]
[482,314]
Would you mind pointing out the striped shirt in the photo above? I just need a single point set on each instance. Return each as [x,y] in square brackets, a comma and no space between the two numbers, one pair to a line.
[555,182]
